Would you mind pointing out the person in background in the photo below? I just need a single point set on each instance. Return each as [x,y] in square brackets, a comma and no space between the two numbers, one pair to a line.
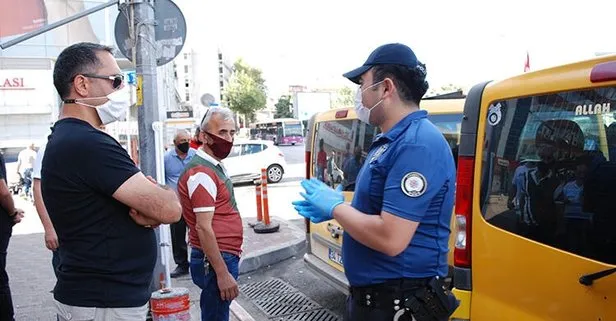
[51,237]
[176,159]
[577,221]
[517,187]
[331,167]
[25,163]
[611,141]
[9,216]
[194,141]
[351,168]
[321,161]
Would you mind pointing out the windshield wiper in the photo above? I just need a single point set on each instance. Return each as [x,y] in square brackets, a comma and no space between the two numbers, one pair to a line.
[588,279]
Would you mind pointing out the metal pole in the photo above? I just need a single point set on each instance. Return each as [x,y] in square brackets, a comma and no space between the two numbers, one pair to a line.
[56,24]
[164,229]
[147,104]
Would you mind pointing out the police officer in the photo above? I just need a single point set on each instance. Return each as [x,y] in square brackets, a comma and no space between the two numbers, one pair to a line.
[397,226]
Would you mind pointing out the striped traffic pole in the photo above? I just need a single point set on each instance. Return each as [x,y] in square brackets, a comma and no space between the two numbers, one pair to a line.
[259,204]
[266,219]
[265,226]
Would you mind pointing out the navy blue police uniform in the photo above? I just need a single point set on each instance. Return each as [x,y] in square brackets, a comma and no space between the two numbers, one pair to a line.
[409,173]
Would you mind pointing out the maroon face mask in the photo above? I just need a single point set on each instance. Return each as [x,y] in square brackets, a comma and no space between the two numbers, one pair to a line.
[221,147]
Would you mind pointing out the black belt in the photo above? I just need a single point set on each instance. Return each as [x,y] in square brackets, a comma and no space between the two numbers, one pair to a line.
[388,294]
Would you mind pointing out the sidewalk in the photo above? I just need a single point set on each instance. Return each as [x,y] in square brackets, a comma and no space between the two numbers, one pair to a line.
[32,279]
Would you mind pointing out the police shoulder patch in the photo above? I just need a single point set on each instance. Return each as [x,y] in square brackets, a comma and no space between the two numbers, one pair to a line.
[414,184]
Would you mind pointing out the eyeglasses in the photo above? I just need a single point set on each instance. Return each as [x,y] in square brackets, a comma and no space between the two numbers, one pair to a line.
[116,80]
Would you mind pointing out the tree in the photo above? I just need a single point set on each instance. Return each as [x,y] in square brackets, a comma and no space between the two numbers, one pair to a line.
[246,92]
[345,98]
[450,88]
[283,107]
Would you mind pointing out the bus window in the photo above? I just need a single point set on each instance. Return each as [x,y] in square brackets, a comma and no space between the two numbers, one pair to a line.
[284,131]
[293,129]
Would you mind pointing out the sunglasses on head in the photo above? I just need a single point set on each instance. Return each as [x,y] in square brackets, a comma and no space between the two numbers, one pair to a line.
[116,80]
[203,119]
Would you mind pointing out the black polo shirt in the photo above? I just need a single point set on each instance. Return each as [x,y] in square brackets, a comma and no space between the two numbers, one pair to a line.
[107,260]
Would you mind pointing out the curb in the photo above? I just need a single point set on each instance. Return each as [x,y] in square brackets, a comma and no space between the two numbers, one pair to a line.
[239,312]
[276,253]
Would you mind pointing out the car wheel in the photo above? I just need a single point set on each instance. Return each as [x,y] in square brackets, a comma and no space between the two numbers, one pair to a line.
[274,174]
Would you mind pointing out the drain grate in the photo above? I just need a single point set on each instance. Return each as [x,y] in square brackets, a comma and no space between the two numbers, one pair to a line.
[282,302]
[289,303]
[272,287]
[315,315]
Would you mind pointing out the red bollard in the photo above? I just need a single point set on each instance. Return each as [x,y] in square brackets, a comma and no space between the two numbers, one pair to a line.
[259,204]
[266,219]
[265,226]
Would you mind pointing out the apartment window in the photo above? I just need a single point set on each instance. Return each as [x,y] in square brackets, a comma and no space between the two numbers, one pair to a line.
[186,69]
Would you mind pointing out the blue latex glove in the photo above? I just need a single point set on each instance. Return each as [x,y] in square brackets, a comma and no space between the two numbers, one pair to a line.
[307,210]
[320,200]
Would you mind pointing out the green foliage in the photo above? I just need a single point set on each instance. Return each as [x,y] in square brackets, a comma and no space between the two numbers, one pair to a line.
[283,107]
[345,98]
[246,92]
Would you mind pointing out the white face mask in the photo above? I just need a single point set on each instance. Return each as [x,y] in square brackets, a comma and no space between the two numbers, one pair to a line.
[115,108]
[363,113]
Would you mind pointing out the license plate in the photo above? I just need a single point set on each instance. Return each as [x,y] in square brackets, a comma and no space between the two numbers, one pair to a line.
[335,256]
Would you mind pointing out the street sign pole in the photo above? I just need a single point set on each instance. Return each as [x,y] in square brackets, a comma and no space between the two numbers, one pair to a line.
[147,89]
[147,102]
[151,33]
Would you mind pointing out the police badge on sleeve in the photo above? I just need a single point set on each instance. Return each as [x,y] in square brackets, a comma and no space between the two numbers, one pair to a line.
[414,184]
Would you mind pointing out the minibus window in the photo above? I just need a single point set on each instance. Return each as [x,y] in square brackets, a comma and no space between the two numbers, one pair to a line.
[340,148]
[450,125]
[549,167]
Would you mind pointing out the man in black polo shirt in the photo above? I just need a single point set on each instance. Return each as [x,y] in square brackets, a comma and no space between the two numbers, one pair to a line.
[102,206]
[9,216]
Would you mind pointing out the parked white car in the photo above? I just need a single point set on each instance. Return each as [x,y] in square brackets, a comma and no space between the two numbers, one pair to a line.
[247,157]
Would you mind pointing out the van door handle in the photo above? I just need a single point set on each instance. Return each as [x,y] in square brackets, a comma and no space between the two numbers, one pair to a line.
[334,231]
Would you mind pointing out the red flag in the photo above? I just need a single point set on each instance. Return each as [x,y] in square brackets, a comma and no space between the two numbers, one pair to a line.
[527,63]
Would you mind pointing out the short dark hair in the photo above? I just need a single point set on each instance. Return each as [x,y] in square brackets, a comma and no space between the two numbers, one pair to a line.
[74,60]
[410,82]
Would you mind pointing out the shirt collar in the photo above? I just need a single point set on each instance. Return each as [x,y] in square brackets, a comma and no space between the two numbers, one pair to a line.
[173,151]
[211,159]
[207,157]
[403,124]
